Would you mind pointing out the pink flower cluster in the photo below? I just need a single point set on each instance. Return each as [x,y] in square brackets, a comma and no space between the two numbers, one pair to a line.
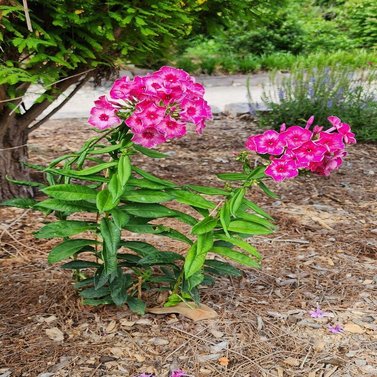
[296,148]
[156,107]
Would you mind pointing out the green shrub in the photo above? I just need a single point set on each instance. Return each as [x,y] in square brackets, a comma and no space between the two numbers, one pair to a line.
[341,91]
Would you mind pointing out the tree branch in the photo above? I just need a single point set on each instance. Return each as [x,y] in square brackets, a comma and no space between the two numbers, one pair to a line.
[35,110]
[57,108]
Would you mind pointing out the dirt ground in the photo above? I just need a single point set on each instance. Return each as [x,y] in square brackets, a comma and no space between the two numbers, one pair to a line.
[323,253]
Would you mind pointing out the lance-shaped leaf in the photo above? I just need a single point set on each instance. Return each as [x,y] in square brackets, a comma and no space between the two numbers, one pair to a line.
[19,203]
[191,199]
[246,227]
[124,169]
[71,192]
[66,206]
[64,228]
[220,268]
[147,196]
[233,176]
[267,191]
[236,256]
[150,152]
[241,244]
[105,201]
[204,226]
[236,200]
[67,249]
[256,209]
[94,169]
[111,239]
[152,178]
[208,190]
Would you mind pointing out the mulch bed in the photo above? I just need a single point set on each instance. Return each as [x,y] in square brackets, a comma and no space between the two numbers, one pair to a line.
[323,253]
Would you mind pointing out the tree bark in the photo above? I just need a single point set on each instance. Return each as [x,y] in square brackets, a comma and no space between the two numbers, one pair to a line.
[14,132]
[13,153]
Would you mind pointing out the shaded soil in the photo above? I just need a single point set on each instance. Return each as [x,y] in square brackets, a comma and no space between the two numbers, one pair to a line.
[324,253]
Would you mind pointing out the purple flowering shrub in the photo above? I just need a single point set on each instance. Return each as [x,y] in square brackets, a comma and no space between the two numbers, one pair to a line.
[102,201]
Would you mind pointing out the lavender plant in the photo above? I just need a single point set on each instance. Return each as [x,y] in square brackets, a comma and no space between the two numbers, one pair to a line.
[349,93]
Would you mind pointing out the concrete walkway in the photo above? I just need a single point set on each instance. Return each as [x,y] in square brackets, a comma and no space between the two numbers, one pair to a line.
[223,93]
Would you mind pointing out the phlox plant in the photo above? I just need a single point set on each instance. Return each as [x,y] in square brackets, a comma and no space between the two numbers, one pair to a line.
[105,206]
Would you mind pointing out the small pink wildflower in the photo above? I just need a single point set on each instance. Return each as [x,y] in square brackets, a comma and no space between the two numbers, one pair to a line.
[310,152]
[335,329]
[150,114]
[295,136]
[103,118]
[178,373]
[333,142]
[149,137]
[171,128]
[280,170]
[267,143]
[317,313]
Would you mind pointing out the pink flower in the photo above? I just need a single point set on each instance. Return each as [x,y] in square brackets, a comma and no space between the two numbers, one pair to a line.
[267,143]
[135,123]
[279,170]
[149,137]
[103,103]
[173,76]
[309,152]
[194,111]
[121,88]
[309,122]
[171,128]
[328,164]
[335,121]
[178,373]
[335,329]
[333,142]
[317,313]
[103,118]
[295,136]
[345,131]
[150,114]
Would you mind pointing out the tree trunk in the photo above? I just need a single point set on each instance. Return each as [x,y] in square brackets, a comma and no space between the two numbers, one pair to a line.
[13,153]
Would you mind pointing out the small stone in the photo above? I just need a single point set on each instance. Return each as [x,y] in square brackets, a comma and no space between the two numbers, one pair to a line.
[353,328]
[43,375]
[216,333]
[219,347]
[55,334]
[360,362]
[291,361]
[159,341]
[144,322]
[206,358]
[367,282]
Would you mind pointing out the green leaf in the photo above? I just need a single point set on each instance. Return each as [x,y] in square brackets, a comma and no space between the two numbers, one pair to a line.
[233,176]
[221,268]
[79,264]
[256,209]
[25,183]
[173,234]
[196,255]
[147,196]
[236,256]
[94,302]
[67,249]
[240,243]
[191,199]
[225,216]
[94,169]
[118,288]
[64,228]
[111,237]
[195,280]
[105,150]
[236,200]
[204,226]
[160,257]
[19,203]
[145,183]
[124,169]
[119,217]
[136,305]
[142,248]
[95,293]
[255,219]
[68,207]
[258,172]
[71,192]
[246,227]
[105,201]
[152,178]
[150,152]
[208,190]
[267,191]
